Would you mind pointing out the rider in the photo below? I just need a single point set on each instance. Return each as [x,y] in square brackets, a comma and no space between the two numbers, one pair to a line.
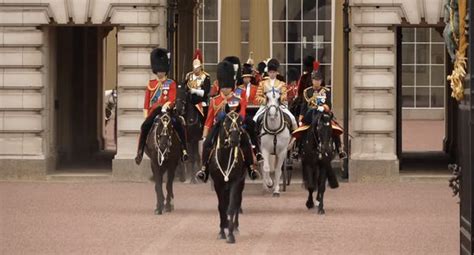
[318,98]
[226,76]
[160,96]
[250,91]
[272,83]
[198,83]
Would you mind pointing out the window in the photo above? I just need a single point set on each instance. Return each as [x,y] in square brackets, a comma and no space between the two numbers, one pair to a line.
[208,38]
[423,70]
[301,28]
[244,27]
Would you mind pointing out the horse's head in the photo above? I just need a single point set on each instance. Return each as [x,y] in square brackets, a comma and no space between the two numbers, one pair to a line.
[181,96]
[273,97]
[231,131]
[323,130]
[163,135]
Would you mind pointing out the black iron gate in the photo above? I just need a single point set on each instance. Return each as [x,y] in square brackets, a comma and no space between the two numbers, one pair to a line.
[465,133]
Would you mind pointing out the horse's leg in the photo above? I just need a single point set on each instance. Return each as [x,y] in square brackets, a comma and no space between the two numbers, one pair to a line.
[232,210]
[169,206]
[310,202]
[309,182]
[239,203]
[267,180]
[223,199]
[278,164]
[159,192]
[322,177]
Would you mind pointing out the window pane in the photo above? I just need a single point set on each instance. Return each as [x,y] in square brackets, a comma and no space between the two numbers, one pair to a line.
[309,31]
[422,34]
[282,70]
[408,53]
[408,75]
[408,34]
[324,29]
[294,10]
[422,97]
[210,9]
[244,9]
[309,10]
[294,53]
[422,76]
[326,71]
[294,31]
[438,78]
[437,53]
[408,96]
[279,10]
[436,36]
[324,9]
[210,31]
[437,97]
[210,53]
[324,53]
[244,27]
[279,32]
[422,54]
[279,52]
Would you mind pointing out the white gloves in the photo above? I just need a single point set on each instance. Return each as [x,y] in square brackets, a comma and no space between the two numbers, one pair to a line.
[320,109]
[164,108]
[198,92]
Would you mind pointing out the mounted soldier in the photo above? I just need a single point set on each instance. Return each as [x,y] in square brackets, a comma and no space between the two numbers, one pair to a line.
[198,83]
[249,84]
[273,84]
[230,99]
[160,96]
[317,98]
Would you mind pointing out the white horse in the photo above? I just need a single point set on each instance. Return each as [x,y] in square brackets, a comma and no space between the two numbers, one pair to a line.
[275,138]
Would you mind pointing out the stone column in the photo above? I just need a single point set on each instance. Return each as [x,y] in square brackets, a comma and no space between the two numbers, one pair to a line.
[230,32]
[259,26]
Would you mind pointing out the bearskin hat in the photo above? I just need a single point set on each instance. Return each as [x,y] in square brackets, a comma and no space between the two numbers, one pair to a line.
[247,70]
[292,74]
[236,63]
[159,59]
[225,75]
[273,65]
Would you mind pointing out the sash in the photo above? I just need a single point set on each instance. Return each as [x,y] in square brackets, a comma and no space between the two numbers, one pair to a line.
[156,96]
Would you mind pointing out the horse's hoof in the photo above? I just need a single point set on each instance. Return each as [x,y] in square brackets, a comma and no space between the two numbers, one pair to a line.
[158,212]
[276,194]
[169,208]
[230,238]
[321,211]
[309,204]
[269,185]
[221,235]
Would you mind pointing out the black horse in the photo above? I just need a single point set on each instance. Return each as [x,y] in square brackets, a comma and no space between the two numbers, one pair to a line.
[194,119]
[164,150]
[317,154]
[228,173]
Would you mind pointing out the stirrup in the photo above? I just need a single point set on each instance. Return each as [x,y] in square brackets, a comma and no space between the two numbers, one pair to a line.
[185,156]
[202,175]
[259,157]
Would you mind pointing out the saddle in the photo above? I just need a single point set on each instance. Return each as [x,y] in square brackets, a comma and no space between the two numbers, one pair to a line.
[262,122]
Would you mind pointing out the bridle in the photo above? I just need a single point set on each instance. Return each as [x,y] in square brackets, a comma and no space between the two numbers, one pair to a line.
[166,132]
[234,151]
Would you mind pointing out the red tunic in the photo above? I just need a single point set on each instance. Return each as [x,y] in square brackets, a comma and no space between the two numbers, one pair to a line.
[217,104]
[159,93]
[214,89]
[251,99]
[292,92]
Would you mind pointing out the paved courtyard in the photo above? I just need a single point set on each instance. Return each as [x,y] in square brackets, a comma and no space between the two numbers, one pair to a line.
[117,218]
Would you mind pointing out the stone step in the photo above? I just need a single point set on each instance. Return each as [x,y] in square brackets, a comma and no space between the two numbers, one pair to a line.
[80,177]
[425,178]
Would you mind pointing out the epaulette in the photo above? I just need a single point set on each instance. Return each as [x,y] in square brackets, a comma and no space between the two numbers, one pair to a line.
[305,94]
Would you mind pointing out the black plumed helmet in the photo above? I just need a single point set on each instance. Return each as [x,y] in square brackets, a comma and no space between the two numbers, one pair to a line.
[225,75]
[236,64]
[159,59]
[308,63]
[273,65]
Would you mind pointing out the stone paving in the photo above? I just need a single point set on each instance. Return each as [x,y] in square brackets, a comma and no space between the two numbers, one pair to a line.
[106,217]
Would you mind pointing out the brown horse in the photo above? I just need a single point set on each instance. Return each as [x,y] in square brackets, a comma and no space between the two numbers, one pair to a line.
[164,150]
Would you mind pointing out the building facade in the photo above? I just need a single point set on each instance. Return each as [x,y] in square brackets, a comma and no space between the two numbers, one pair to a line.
[36,102]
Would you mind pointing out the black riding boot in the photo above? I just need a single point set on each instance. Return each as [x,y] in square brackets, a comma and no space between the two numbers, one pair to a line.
[144,130]
[337,143]
[252,129]
[332,178]
[182,138]
[248,161]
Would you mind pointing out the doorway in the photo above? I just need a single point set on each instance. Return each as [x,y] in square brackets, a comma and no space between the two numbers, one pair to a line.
[85,97]
[422,99]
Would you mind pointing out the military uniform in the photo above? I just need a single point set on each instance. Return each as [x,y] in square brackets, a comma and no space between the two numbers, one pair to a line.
[160,95]
[273,85]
